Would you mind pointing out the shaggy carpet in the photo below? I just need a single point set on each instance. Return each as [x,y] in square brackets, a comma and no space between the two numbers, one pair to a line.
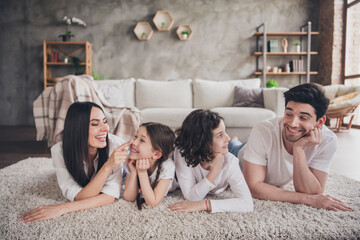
[32,182]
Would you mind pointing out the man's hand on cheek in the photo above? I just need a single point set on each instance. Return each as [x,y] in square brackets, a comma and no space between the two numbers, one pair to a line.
[313,137]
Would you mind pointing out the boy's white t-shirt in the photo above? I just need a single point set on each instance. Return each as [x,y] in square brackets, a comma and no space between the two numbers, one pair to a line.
[195,185]
[70,188]
[265,147]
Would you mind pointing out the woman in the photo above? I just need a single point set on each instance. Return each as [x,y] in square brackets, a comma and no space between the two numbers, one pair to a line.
[86,175]
[204,166]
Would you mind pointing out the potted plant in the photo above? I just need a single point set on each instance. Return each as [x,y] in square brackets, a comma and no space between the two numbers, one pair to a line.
[68,21]
[76,63]
[298,45]
[185,34]
[271,83]
[143,35]
[162,24]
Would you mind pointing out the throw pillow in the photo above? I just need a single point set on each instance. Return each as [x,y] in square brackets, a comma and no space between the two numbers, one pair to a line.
[344,97]
[248,97]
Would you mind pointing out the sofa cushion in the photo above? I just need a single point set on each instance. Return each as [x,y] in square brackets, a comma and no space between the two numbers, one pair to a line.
[210,94]
[118,92]
[173,117]
[243,116]
[163,94]
[248,97]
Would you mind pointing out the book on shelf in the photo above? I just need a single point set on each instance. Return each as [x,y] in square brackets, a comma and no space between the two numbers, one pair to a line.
[54,56]
[272,45]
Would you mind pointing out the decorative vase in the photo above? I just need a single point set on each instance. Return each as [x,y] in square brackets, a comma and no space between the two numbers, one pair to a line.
[298,48]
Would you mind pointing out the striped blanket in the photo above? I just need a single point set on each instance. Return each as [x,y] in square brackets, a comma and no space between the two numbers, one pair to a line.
[51,106]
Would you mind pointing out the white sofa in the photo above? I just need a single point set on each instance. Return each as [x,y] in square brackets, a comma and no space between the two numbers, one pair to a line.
[169,102]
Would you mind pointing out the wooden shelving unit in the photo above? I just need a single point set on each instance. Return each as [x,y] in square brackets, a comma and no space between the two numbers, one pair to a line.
[184,27]
[163,20]
[64,50]
[264,52]
[143,31]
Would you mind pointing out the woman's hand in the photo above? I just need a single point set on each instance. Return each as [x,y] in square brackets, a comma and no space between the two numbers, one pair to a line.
[118,156]
[143,164]
[43,213]
[188,206]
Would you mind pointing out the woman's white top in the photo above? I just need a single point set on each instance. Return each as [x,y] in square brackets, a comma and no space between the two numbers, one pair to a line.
[195,185]
[167,171]
[70,188]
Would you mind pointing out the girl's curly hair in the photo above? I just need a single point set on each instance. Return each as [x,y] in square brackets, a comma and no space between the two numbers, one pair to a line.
[195,137]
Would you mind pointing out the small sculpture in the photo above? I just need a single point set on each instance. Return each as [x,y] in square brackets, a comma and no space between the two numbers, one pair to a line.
[284,43]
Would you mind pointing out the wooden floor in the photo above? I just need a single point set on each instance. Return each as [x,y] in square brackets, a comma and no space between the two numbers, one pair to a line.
[18,143]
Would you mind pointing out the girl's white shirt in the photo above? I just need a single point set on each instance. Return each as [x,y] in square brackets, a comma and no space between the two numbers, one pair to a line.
[195,185]
[167,171]
[70,188]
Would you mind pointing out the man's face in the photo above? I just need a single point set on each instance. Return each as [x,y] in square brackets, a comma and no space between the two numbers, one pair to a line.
[299,119]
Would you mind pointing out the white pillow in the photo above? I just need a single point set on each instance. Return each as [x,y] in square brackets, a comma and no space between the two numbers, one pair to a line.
[211,94]
[118,92]
[163,94]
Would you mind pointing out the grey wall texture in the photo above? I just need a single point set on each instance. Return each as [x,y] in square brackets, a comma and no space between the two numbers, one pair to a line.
[220,48]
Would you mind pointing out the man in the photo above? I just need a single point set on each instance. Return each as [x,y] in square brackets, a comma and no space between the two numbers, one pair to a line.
[296,147]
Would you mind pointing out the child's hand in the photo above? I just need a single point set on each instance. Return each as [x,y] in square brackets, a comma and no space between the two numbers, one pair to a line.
[131,165]
[217,162]
[143,164]
[118,156]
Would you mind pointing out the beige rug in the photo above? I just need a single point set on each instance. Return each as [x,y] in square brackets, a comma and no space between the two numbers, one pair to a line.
[32,182]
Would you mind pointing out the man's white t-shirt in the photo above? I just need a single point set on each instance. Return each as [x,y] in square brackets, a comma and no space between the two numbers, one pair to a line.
[265,147]
[70,188]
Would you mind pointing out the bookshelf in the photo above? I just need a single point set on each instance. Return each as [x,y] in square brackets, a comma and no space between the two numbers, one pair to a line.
[54,62]
[262,38]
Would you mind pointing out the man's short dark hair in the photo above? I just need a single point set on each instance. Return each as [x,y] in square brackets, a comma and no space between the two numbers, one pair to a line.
[309,93]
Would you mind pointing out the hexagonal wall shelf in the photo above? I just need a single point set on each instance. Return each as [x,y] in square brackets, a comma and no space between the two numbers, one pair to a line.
[163,20]
[143,31]
[184,32]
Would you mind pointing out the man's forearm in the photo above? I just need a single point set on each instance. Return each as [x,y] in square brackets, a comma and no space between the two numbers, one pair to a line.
[266,191]
[304,180]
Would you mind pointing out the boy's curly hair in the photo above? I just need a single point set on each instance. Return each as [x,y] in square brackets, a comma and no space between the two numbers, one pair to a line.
[195,137]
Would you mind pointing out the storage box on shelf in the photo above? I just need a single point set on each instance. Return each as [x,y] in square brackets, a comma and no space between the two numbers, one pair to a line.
[58,55]
[264,52]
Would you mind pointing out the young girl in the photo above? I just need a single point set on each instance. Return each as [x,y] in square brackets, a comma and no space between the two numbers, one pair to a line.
[150,173]
[204,166]
[86,175]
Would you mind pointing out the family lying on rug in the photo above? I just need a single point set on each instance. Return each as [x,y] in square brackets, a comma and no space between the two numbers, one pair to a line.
[205,160]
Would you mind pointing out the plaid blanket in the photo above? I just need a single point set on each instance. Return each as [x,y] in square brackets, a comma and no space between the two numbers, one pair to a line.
[51,106]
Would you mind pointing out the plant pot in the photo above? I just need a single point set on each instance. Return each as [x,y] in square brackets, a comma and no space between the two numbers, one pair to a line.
[185,36]
[298,48]
[66,37]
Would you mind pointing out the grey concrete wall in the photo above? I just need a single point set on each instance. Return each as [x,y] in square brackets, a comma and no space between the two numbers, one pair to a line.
[220,49]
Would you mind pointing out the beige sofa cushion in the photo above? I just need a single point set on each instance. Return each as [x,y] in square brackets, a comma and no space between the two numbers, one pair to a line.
[173,117]
[118,92]
[163,94]
[243,116]
[210,94]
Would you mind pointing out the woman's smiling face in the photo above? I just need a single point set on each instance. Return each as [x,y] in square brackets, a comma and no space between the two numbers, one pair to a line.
[98,129]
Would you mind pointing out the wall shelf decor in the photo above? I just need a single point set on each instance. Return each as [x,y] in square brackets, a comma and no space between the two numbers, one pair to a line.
[266,52]
[56,55]
[184,32]
[143,31]
[163,20]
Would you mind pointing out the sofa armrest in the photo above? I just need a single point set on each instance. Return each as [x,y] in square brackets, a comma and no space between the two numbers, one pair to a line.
[274,100]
